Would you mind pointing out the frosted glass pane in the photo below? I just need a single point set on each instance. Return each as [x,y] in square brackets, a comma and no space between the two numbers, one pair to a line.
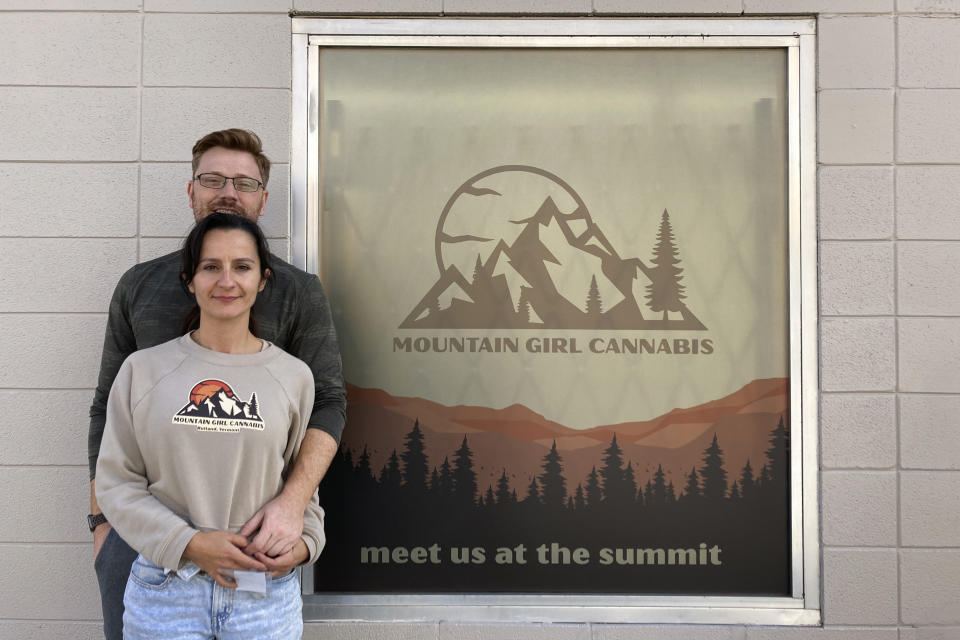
[534,247]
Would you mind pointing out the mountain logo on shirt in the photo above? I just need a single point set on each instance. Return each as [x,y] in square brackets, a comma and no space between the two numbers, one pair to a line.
[214,406]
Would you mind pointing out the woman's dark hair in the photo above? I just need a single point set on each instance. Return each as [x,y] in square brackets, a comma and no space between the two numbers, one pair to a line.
[190,258]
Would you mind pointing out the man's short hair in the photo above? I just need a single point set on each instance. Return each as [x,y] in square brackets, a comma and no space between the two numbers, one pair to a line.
[236,140]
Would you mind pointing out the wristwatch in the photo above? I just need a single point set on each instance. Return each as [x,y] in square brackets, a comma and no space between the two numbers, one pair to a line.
[95,520]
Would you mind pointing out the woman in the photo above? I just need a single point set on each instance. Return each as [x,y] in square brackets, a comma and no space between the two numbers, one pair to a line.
[201,431]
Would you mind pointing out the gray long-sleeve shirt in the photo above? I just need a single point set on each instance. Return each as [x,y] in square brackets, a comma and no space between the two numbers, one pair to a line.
[292,312]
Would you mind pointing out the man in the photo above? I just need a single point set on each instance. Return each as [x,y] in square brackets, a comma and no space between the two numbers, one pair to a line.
[230,174]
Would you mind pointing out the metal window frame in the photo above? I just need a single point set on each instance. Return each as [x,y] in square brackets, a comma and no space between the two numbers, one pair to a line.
[797,36]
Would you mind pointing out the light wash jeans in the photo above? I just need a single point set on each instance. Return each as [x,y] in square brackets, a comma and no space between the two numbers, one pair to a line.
[189,605]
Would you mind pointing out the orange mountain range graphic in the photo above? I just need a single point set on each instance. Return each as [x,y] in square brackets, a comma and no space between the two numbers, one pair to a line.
[515,439]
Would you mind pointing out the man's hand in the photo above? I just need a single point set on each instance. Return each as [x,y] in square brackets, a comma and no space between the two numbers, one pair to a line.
[214,551]
[99,536]
[285,563]
[280,523]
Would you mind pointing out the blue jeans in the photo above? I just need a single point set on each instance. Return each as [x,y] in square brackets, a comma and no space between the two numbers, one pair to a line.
[189,605]
[113,568]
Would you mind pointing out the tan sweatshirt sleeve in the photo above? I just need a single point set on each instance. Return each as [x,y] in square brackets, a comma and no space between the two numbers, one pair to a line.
[313,535]
[142,521]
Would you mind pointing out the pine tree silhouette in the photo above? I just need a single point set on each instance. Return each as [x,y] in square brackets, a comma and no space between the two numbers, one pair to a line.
[445,484]
[713,474]
[503,494]
[390,477]
[464,477]
[735,491]
[630,483]
[363,463]
[671,493]
[691,492]
[533,493]
[748,485]
[777,453]
[579,500]
[648,493]
[765,478]
[659,492]
[254,405]
[523,307]
[776,481]
[665,293]
[414,461]
[611,474]
[594,306]
[488,498]
[594,493]
[554,485]
[363,474]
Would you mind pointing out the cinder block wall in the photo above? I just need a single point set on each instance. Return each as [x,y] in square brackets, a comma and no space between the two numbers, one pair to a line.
[100,101]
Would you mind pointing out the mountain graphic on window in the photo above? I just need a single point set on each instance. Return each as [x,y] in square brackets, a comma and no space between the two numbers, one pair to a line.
[540,261]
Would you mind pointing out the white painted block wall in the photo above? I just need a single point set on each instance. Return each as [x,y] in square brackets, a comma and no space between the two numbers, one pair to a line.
[100,101]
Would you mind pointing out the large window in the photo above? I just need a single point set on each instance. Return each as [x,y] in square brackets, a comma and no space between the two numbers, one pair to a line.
[572,266]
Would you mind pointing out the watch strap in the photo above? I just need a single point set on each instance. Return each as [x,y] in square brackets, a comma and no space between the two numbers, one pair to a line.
[95,520]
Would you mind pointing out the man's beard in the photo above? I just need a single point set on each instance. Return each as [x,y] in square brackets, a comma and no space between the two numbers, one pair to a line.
[202,210]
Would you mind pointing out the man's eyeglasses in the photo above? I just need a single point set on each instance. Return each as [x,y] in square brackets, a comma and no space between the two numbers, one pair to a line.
[217,181]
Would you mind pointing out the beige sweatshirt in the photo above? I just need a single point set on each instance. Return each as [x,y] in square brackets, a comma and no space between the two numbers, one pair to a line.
[198,440]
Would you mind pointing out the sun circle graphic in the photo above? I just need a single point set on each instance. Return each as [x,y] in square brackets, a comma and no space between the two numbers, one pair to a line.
[489,207]
[204,390]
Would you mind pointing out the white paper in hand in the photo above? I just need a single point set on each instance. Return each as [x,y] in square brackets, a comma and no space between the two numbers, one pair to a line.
[255,581]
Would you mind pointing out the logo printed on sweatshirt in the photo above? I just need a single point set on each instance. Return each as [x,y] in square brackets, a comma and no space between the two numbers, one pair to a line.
[214,406]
